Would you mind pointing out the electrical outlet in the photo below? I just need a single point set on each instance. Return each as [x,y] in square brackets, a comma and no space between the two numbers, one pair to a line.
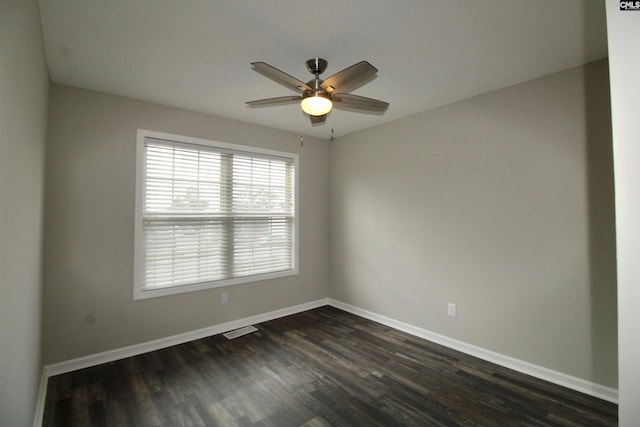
[224,297]
[452,310]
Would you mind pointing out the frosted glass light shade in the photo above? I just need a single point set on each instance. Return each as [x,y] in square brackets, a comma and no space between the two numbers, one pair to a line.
[316,105]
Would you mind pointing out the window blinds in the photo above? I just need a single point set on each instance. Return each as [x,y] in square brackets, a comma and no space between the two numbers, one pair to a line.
[211,214]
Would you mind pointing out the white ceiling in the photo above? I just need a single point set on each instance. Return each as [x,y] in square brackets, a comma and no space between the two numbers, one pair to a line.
[195,54]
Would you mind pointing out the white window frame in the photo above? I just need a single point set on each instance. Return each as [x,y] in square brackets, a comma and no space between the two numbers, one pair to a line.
[139,292]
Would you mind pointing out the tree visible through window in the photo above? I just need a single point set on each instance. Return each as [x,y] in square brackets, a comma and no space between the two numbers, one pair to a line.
[211,214]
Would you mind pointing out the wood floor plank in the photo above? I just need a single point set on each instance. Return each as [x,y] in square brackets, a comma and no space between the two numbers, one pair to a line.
[323,367]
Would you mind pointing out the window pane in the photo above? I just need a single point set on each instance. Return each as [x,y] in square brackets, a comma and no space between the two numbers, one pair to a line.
[181,181]
[261,186]
[184,252]
[262,244]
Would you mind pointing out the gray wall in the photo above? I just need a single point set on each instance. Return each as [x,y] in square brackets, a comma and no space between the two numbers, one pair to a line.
[502,204]
[90,175]
[23,105]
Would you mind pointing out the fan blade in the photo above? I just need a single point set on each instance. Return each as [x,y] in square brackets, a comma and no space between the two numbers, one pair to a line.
[273,101]
[280,77]
[347,100]
[318,119]
[349,78]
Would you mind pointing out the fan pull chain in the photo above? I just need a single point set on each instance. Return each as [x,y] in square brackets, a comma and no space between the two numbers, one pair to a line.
[301,141]
[331,134]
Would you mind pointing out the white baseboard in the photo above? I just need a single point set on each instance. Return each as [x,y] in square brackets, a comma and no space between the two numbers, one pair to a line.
[136,349]
[578,384]
[602,392]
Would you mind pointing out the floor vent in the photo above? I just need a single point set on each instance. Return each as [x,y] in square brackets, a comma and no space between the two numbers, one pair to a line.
[240,332]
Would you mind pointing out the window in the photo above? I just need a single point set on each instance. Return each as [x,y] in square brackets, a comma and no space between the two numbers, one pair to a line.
[211,214]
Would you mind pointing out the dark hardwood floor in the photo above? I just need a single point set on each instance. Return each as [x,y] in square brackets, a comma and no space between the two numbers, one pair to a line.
[324,367]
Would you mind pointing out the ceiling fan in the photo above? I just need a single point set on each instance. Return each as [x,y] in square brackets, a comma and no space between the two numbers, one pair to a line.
[319,96]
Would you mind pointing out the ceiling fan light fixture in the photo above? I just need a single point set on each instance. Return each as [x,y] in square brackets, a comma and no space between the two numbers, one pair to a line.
[316,104]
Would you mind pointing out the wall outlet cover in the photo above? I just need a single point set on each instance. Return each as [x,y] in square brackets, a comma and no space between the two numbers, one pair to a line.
[452,310]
